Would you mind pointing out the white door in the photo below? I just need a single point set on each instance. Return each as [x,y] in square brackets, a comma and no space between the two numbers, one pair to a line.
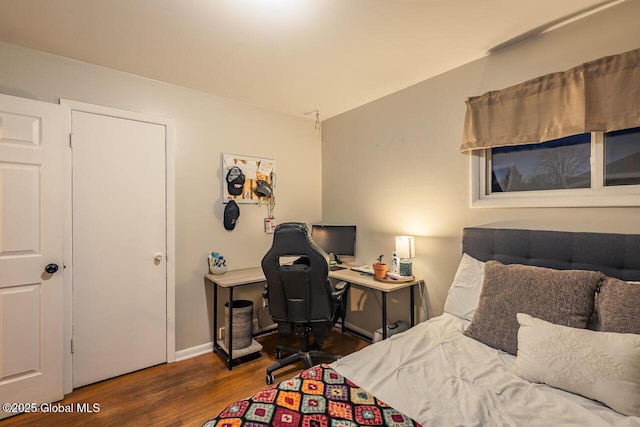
[33,158]
[119,246]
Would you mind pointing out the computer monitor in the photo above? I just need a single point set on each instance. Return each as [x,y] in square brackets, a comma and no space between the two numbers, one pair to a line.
[336,240]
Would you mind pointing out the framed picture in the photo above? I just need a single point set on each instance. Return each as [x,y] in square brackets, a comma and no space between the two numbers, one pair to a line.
[247,179]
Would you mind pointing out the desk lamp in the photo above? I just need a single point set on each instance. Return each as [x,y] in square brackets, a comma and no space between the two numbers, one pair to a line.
[405,249]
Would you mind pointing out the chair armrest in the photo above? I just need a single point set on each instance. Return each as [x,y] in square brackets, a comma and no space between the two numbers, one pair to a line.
[339,290]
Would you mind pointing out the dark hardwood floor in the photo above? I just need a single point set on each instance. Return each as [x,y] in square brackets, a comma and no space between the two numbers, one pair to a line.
[186,393]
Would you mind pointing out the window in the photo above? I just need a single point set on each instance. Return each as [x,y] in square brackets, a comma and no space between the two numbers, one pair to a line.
[622,157]
[562,163]
[592,169]
[566,166]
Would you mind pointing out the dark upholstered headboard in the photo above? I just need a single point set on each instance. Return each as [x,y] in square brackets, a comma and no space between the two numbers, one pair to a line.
[616,255]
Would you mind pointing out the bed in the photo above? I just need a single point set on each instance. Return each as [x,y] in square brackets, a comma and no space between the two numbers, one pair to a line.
[539,328]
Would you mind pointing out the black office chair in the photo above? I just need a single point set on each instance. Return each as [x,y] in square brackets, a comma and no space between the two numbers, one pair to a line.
[300,296]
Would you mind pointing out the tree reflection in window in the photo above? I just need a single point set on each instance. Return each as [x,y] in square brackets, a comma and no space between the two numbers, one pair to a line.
[558,164]
[622,157]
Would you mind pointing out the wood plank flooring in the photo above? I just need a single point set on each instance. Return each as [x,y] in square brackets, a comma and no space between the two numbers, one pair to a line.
[186,393]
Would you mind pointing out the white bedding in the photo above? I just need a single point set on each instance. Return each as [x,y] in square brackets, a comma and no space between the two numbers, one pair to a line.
[439,377]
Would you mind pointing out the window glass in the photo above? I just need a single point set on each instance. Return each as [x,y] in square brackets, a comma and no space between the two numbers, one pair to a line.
[558,164]
[622,157]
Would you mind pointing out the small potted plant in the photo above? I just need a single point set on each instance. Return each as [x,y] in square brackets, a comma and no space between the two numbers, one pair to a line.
[379,268]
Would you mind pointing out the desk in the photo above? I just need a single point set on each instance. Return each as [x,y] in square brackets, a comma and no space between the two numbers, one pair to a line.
[367,281]
[230,280]
[247,276]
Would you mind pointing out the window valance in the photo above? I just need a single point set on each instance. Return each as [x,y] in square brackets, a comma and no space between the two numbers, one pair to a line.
[601,95]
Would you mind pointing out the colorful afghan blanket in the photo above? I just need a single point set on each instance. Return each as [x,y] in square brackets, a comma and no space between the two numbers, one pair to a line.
[317,397]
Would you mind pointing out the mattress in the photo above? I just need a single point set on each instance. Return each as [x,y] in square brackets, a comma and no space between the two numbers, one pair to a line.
[439,377]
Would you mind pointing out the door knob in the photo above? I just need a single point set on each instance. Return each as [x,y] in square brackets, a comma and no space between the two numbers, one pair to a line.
[158,258]
[51,268]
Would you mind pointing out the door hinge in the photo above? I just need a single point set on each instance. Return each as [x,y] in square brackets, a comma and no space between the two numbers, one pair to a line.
[71,140]
[71,345]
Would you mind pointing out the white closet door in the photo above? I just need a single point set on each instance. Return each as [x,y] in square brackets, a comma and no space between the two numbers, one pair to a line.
[119,246]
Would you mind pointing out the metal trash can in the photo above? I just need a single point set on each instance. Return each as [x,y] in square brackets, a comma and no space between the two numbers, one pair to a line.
[242,324]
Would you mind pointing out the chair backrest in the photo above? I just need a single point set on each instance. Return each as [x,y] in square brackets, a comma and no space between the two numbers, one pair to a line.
[299,292]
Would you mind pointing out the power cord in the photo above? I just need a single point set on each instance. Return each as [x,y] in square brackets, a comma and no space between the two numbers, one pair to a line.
[424,298]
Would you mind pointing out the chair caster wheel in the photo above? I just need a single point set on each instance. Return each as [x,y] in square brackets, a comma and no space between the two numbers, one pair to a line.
[270,379]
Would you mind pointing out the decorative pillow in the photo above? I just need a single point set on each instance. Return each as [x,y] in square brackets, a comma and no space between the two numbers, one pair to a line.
[603,366]
[618,305]
[464,292]
[564,297]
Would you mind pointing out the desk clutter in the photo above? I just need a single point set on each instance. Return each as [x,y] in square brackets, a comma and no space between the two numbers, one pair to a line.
[217,263]
[394,278]
[390,276]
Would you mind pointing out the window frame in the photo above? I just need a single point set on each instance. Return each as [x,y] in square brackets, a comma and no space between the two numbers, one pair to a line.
[598,195]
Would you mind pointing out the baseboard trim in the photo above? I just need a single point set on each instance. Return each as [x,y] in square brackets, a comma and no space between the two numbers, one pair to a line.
[201,349]
[359,330]
[198,350]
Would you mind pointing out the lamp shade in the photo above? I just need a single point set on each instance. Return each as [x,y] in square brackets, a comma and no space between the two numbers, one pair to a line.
[405,247]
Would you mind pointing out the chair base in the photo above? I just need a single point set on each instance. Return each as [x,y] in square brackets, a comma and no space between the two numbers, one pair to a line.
[296,356]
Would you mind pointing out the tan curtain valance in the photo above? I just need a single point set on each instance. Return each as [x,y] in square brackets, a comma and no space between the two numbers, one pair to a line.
[601,95]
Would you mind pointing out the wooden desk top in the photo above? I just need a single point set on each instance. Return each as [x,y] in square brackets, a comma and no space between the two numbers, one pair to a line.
[367,281]
[237,277]
[253,275]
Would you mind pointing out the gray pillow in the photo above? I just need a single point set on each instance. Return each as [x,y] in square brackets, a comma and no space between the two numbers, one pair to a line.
[618,305]
[563,297]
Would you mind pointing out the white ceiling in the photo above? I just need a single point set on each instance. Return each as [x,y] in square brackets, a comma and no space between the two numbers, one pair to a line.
[291,56]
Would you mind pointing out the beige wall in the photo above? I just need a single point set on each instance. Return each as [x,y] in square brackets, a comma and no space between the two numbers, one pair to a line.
[205,126]
[393,166]
[404,147]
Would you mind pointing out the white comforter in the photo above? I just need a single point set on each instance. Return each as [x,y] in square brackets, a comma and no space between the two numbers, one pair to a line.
[439,377]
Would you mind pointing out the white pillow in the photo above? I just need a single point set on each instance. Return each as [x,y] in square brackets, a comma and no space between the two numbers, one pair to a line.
[464,292]
[603,366]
